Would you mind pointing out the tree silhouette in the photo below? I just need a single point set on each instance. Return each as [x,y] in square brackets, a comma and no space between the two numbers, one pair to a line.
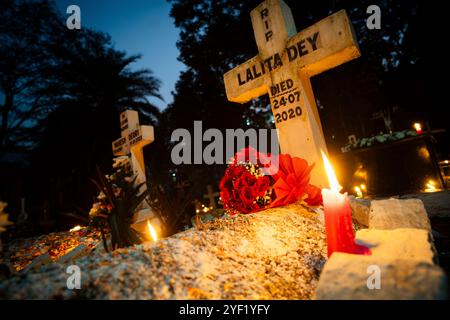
[64,90]
[27,31]
[94,86]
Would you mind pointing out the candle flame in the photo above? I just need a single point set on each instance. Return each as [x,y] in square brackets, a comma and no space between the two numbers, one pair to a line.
[334,184]
[152,231]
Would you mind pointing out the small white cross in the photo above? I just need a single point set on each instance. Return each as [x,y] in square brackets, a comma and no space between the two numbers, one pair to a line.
[134,138]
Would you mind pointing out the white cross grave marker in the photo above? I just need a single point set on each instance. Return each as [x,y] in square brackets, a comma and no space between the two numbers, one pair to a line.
[283,67]
[133,139]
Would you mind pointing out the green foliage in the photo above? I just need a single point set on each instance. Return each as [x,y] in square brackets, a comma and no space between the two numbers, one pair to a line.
[385,138]
[119,199]
[171,205]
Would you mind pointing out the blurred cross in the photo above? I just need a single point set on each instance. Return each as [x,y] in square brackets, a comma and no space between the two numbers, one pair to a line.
[211,196]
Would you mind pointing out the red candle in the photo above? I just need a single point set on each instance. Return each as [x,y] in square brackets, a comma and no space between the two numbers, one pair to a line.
[338,218]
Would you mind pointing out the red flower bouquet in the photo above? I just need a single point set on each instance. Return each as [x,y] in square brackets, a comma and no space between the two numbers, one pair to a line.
[254,181]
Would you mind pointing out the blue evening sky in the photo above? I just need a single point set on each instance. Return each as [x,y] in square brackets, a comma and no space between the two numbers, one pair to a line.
[138,27]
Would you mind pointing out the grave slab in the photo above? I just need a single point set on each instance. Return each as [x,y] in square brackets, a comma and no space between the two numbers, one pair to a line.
[400,243]
[405,260]
[345,277]
[395,213]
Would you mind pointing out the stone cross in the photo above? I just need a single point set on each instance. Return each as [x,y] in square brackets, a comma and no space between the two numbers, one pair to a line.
[133,139]
[283,68]
[211,196]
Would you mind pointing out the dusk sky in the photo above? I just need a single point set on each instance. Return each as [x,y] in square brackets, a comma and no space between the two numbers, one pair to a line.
[138,27]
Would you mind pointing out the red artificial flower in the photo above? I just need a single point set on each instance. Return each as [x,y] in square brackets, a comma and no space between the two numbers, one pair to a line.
[240,189]
[244,191]
[291,180]
[246,195]
[314,195]
[262,186]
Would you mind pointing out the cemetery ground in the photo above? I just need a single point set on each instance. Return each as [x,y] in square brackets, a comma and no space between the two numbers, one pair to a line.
[274,254]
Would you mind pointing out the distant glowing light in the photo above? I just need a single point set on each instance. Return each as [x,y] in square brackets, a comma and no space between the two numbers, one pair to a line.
[430,186]
[363,187]
[152,231]
[76,228]
[358,191]
[418,127]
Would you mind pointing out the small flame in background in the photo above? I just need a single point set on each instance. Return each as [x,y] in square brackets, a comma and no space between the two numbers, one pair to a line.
[358,191]
[76,228]
[431,186]
[152,231]
[418,127]
[334,184]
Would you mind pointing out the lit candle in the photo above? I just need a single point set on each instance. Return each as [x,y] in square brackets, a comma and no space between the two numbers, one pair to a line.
[338,218]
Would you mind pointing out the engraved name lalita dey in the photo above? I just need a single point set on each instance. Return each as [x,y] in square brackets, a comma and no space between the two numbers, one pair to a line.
[298,50]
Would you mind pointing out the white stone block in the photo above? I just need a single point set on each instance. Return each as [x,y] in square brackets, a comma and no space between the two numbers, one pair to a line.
[404,260]
[397,244]
[395,213]
[346,277]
